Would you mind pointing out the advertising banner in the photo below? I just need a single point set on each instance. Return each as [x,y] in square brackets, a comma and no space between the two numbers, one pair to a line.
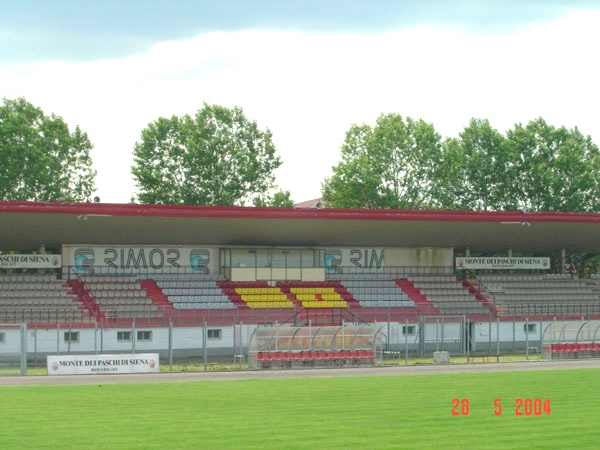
[492,262]
[30,261]
[125,259]
[364,259]
[102,364]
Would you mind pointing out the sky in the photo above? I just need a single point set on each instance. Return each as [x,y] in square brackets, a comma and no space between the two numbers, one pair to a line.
[305,69]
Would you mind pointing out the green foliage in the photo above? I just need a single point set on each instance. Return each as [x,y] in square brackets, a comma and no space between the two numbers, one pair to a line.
[477,170]
[557,169]
[40,159]
[536,167]
[401,164]
[583,265]
[388,166]
[216,157]
[354,183]
[280,199]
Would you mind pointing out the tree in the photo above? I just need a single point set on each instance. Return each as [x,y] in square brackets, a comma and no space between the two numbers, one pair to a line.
[354,183]
[216,157]
[280,199]
[388,166]
[40,159]
[477,170]
[558,169]
[536,167]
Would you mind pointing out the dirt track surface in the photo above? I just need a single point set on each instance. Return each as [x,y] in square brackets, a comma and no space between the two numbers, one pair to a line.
[298,373]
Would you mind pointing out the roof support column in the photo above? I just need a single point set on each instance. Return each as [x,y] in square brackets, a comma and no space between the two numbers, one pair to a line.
[563,260]
[42,251]
[467,254]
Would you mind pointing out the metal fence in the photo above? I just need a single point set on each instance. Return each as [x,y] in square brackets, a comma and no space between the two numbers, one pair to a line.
[13,358]
[216,347]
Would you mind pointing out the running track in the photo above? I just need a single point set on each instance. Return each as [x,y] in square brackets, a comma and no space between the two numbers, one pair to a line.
[298,373]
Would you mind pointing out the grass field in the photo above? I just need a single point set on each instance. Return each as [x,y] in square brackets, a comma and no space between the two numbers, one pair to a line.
[379,412]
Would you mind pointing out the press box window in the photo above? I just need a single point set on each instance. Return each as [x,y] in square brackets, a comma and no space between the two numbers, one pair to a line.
[123,336]
[529,328]
[72,336]
[2,338]
[408,330]
[144,335]
[213,334]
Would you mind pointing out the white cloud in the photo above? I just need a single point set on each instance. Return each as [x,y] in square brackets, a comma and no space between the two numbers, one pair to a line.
[309,88]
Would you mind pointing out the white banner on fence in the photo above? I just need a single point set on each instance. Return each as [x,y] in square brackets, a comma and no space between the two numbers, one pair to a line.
[102,364]
[490,262]
[30,261]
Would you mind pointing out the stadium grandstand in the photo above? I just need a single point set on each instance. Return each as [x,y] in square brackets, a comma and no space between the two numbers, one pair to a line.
[141,272]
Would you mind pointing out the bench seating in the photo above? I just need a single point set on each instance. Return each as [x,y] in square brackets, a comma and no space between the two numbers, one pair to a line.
[320,357]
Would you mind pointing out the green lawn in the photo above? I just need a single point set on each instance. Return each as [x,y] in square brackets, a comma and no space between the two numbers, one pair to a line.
[412,411]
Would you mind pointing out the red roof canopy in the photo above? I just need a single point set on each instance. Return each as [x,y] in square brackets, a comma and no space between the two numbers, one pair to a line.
[27,225]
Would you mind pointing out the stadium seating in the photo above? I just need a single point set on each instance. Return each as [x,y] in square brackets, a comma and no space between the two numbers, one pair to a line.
[116,297]
[39,298]
[317,296]
[574,350]
[448,295]
[194,292]
[263,297]
[536,294]
[377,293]
[368,297]
[315,358]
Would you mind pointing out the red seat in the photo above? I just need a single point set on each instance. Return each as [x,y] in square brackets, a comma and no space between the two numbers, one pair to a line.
[267,356]
[347,354]
[591,347]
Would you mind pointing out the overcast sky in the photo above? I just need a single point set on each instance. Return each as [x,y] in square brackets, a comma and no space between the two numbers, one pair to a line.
[307,70]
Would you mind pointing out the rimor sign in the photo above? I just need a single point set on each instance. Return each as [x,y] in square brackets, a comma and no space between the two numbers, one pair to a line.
[148,259]
[102,364]
[30,261]
[492,262]
[367,258]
